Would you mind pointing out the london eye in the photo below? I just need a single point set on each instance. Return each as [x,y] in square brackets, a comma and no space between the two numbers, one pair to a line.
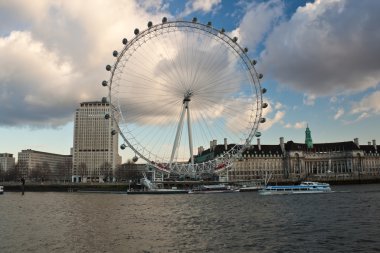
[180,89]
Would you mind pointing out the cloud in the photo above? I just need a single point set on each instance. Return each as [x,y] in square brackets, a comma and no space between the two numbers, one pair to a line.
[200,5]
[339,113]
[258,21]
[53,54]
[309,99]
[369,105]
[271,119]
[326,47]
[297,125]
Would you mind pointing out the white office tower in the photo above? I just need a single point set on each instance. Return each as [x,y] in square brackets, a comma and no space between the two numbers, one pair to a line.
[95,152]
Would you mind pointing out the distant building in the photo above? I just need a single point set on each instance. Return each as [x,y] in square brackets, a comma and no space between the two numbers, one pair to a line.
[300,161]
[95,151]
[50,166]
[7,161]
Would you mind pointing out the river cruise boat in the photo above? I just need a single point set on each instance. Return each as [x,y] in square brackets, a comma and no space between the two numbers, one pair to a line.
[304,187]
[1,189]
[214,188]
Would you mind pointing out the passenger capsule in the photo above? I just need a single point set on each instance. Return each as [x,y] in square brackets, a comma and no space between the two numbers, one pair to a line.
[254,62]
[235,39]
[134,159]
[262,120]
[114,53]
[107,116]
[260,76]
[150,24]
[258,134]
[123,146]
[104,83]
[245,50]
[222,30]
[263,90]
[195,20]
[209,23]
[265,105]
[113,132]
[125,41]
[108,67]
[136,31]
[164,20]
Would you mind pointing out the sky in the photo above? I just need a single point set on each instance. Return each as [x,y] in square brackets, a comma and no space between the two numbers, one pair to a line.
[320,60]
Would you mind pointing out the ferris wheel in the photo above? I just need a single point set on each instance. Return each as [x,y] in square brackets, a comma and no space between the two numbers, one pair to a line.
[187,99]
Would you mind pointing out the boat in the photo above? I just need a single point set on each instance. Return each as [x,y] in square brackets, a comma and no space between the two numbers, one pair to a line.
[253,188]
[151,188]
[214,188]
[303,188]
[1,189]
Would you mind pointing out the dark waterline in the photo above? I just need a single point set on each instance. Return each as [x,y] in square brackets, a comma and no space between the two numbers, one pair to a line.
[345,221]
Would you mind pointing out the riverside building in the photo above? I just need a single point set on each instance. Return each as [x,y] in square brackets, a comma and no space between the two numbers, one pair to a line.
[292,161]
[51,166]
[7,161]
[95,149]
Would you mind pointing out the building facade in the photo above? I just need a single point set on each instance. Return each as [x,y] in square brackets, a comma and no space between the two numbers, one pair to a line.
[95,149]
[46,166]
[7,161]
[292,161]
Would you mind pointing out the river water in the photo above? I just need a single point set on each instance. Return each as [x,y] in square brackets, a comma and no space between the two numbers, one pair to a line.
[344,221]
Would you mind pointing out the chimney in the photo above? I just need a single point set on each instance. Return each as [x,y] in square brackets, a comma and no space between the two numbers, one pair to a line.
[200,150]
[356,141]
[374,145]
[211,145]
[369,143]
[258,144]
[225,144]
[214,143]
[282,145]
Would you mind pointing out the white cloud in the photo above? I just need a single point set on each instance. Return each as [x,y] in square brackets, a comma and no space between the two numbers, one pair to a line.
[258,21]
[339,113]
[297,125]
[200,5]
[369,104]
[272,120]
[309,99]
[53,54]
[327,47]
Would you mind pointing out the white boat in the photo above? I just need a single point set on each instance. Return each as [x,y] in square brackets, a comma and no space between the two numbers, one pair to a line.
[1,189]
[250,188]
[213,188]
[152,188]
[304,187]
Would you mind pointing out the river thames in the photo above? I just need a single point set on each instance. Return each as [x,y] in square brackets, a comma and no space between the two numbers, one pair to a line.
[347,220]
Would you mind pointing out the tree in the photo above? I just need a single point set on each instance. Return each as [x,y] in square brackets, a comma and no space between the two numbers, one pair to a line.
[82,170]
[2,173]
[36,172]
[106,171]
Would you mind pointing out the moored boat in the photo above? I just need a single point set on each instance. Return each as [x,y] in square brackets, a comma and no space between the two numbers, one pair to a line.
[304,187]
[217,188]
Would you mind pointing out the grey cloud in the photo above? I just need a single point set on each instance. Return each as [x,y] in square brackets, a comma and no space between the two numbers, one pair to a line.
[327,47]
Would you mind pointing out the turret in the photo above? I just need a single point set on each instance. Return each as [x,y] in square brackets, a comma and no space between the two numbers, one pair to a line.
[308,139]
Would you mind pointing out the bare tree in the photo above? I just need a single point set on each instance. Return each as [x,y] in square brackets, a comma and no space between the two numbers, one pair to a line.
[82,170]
[106,171]
[36,172]
[46,172]
[2,173]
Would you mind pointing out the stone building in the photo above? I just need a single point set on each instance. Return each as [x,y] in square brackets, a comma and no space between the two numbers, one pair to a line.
[292,161]
[52,166]
[95,149]
[7,161]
